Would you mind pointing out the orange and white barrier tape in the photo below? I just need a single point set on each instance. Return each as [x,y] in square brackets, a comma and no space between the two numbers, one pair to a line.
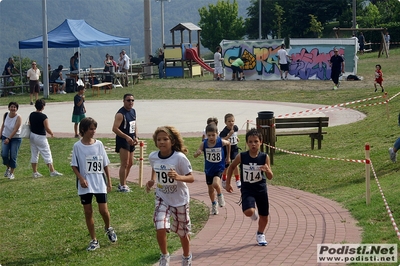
[386,204]
[316,156]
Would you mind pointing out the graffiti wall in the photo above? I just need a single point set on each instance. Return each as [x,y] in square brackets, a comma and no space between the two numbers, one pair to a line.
[309,57]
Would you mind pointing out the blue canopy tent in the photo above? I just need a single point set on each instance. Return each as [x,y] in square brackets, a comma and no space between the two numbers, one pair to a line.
[75,34]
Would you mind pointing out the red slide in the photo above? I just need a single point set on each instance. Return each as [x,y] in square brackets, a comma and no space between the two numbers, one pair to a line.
[191,54]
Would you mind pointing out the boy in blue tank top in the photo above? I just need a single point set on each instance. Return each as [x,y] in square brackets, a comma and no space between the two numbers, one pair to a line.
[214,164]
[255,168]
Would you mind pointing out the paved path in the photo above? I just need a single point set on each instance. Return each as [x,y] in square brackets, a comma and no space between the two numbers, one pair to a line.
[298,220]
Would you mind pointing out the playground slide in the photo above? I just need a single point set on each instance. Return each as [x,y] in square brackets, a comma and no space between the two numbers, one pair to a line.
[191,54]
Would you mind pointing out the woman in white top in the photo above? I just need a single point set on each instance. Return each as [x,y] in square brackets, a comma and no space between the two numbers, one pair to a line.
[10,139]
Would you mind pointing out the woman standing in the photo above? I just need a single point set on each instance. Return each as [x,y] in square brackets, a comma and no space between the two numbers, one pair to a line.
[107,63]
[39,144]
[11,141]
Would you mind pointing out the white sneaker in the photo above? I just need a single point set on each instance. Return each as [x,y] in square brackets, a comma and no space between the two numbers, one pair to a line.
[36,175]
[11,176]
[261,240]
[187,261]
[221,200]
[238,184]
[223,183]
[254,217]
[55,173]
[164,260]
[214,209]
[124,188]
[393,155]
[7,172]
[63,92]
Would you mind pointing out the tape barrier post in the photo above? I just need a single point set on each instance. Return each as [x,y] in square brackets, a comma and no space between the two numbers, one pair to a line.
[367,174]
[141,164]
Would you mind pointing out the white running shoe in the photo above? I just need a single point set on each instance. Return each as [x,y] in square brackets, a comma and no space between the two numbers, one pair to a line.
[393,155]
[261,240]
[7,172]
[214,209]
[11,176]
[238,184]
[221,200]
[223,182]
[93,245]
[55,173]
[164,260]
[187,261]
[36,175]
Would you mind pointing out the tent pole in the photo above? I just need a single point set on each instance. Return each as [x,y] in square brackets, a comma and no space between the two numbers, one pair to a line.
[20,71]
[130,63]
[45,52]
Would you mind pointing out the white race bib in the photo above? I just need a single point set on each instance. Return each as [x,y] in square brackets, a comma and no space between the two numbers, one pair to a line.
[94,164]
[252,173]
[214,155]
[132,127]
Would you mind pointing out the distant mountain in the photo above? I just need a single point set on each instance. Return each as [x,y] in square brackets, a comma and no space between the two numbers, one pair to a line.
[22,19]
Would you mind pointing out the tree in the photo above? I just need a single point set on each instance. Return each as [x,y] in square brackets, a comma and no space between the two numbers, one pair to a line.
[315,26]
[219,22]
[271,22]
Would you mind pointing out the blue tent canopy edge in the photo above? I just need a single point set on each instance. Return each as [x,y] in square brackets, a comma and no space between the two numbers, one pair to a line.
[73,34]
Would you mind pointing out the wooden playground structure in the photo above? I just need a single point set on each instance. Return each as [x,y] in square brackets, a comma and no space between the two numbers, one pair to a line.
[382,49]
[181,55]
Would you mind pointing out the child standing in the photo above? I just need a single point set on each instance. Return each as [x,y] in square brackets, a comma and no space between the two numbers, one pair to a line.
[230,132]
[214,163]
[79,109]
[254,169]
[171,170]
[90,165]
[218,71]
[378,77]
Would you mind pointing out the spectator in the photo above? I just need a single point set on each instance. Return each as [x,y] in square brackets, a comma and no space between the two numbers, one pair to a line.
[283,61]
[33,75]
[337,66]
[11,141]
[387,40]
[237,67]
[218,70]
[79,109]
[159,61]
[107,63]
[39,144]
[124,67]
[8,68]
[361,41]
[56,77]
[114,63]
[74,62]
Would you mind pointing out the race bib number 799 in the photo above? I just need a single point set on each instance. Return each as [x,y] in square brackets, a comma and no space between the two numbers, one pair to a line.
[94,164]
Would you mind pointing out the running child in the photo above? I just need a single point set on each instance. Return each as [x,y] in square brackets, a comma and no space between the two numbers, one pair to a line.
[213,120]
[90,165]
[230,132]
[171,170]
[254,169]
[378,77]
[79,109]
[214,164]
[218,71]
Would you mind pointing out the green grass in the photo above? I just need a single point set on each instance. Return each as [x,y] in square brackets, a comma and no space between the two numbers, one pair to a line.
[42,219]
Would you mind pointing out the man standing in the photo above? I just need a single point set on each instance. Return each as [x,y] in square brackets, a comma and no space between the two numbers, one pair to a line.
[8,68]
[361,41]
[125,68]
[337,66]
[283,61]
[125,128]
[33,75]
[387,41]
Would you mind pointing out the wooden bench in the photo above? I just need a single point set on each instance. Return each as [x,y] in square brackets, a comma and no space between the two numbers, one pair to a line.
[317,123]
[100,85]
